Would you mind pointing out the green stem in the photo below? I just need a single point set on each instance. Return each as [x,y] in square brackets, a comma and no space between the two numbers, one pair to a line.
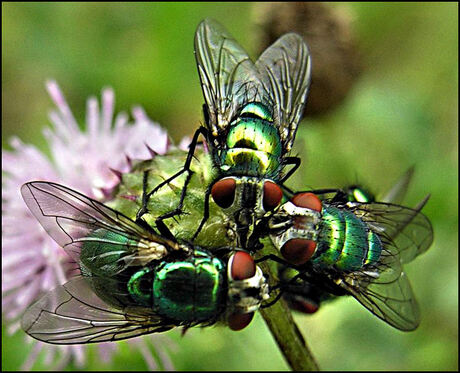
[281,324]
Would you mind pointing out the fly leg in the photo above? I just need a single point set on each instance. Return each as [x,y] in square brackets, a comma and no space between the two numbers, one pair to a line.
[295,161]
[280,287]
[339,196]
[186,168]
[161,227]
[164,231]
[276,259]
[145,199]
[287,190]
[272,302]
[302,269]
[206,212]
[178,209]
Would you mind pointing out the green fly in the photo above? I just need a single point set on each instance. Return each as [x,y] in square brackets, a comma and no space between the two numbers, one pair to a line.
[134,280]
[307,297]
[251,113]
[342,246]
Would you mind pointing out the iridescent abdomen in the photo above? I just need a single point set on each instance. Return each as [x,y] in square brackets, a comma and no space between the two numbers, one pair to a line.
[192,289]
[345,241]
[253,146]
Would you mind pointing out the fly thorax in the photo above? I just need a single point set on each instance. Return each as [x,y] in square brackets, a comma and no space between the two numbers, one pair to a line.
[190,290]
[140,287]
[246,198]
[253,145]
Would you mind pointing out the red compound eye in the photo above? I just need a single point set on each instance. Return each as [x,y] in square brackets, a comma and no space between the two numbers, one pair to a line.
[298,250]
[307,200]
[223,192]
[272,195]
[238,321]
[304,306]
[242,266]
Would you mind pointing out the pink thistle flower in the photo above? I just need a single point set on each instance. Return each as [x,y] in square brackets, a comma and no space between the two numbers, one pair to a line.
[88,161]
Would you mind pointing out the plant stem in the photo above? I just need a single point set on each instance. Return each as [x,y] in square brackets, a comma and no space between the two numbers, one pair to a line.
[281,324]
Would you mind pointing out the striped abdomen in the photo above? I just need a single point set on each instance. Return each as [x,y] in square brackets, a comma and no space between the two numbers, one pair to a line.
[345,241]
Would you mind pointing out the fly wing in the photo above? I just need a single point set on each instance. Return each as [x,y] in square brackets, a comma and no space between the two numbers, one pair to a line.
[405,231]
[285,69]
[383,287]
[398,191]
[74,220]
[228,76]
[386,292]
[73,313]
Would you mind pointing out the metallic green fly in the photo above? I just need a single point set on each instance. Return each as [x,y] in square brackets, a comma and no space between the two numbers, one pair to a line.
[251,113]
[134,280]
[307,297]
[341,247]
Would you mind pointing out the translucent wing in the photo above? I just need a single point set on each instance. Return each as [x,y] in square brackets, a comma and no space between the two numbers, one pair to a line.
[405,231]
[73,220]
[285,69]
[228,76]
[398,191]
[73,313]
[384,288]
[386,292]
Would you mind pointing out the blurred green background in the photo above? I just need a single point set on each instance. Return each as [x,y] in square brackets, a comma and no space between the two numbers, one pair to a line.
[402,111]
